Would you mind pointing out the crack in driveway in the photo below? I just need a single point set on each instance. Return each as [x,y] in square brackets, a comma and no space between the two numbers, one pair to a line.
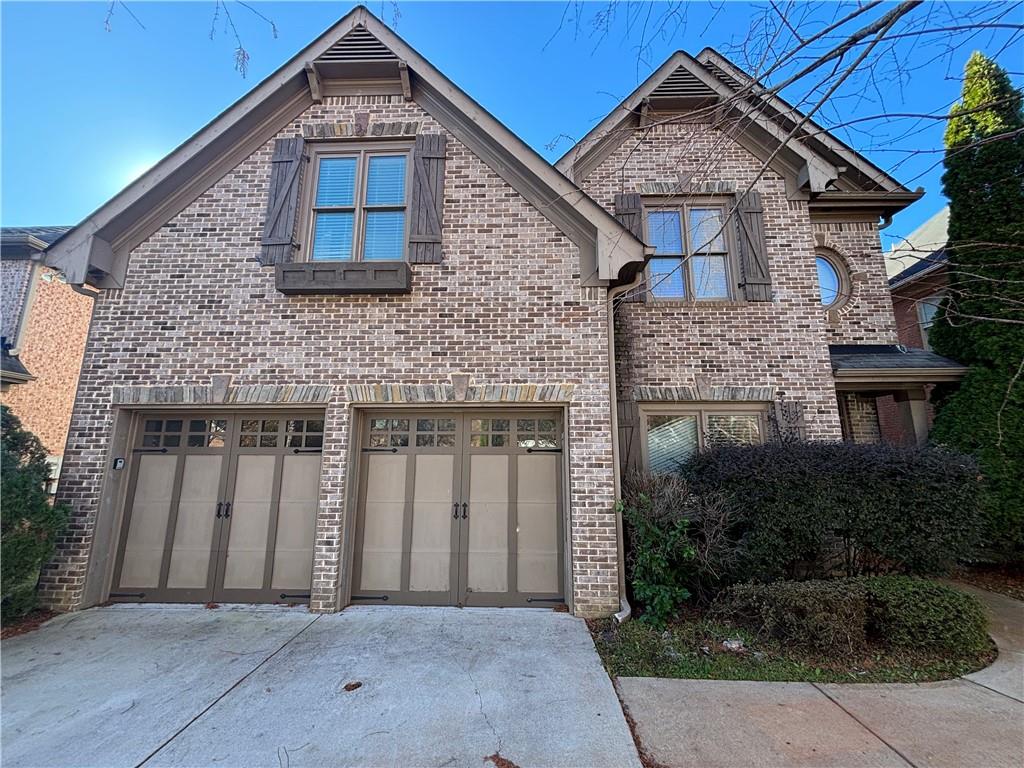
[230,688]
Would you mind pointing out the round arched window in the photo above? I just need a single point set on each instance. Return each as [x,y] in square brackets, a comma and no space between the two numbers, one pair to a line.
[830,282]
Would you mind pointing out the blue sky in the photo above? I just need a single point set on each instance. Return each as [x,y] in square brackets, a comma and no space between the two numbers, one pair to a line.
[84,110]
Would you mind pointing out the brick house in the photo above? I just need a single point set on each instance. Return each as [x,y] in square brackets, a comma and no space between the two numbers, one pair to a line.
[357,343]
[917,287]
[39,366]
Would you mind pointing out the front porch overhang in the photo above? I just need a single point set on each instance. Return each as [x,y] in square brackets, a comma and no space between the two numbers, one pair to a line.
[889,367]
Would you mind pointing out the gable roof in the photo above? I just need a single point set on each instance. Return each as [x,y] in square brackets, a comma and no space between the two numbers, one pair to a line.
[814,162]
[97,249]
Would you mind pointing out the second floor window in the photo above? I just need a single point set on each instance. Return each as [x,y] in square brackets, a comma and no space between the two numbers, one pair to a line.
[926,309]
[359,206]
[692,256]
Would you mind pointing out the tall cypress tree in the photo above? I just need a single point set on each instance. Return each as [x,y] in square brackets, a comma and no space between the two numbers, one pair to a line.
[979,323]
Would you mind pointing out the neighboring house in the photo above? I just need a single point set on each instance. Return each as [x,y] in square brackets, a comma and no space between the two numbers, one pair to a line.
[917,290]
[357,343]
[45,324]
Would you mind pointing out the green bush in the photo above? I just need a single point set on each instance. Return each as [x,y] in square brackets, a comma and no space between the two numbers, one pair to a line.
[29,524]
[843,615]
[814,509]
[657,561]
[826,616]
[919,614]
[657,504]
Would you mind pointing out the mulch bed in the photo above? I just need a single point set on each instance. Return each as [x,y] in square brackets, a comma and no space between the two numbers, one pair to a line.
[27,623]
[1005,579]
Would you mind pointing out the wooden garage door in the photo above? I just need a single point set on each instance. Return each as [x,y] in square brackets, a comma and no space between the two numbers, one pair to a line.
[221,507]
[460,509]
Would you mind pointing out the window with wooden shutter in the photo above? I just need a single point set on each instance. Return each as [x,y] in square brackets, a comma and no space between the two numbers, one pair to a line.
[426,207]
[755,276]
[277,245]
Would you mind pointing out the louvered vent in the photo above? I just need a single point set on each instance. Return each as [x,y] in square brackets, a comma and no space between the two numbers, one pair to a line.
[724,76]
[682,84]
[357,45]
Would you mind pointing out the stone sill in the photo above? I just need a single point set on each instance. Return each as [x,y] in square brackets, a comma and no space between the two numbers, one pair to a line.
[344,278]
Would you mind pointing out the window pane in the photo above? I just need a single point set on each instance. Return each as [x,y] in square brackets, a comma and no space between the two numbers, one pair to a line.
[709,277]
[706,230]
[664,231]
[337,181]
[385,181]
[828,280]
[332,238]
[926,310]
[385,235]
[667,278]
[724,429]
[671,440]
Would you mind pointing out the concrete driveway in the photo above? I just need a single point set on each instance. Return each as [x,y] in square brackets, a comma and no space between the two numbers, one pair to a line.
[247,686]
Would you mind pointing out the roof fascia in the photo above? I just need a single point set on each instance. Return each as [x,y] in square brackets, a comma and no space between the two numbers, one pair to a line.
[909,279]
[857,378]
[823,136]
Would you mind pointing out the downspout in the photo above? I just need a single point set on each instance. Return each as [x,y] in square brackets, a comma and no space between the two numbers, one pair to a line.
[625,611]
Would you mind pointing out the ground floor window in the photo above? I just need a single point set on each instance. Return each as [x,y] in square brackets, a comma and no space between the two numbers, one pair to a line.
[673,433]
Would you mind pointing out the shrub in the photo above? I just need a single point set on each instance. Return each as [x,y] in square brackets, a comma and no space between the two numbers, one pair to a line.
[658,555]
[826,616]
[842,615]
[919,614]
[810,510]
[665,502]
[29,524]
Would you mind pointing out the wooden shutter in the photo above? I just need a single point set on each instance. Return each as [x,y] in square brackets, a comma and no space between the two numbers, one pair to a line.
[278,241]
[755,278]
[629,210]
[426,209]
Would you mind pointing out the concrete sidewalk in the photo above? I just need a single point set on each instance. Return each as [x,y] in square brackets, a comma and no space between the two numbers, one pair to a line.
[977,720]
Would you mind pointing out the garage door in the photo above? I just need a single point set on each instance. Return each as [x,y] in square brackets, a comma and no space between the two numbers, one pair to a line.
[221,507]
[460,509]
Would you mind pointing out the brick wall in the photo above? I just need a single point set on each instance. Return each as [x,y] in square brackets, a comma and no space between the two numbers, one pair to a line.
[51,350]
[861,418]
[782,344]
[15,276]
[505,307]
[905,299]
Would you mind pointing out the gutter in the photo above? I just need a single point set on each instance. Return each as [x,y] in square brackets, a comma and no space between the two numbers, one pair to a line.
[625,610]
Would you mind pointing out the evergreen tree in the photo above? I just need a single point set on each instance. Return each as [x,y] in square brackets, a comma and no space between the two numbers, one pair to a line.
[29,524]
[979,322]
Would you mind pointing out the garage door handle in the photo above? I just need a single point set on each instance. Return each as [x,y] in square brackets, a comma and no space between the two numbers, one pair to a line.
[227,509]
[455,510]
[220,506]
[464,506]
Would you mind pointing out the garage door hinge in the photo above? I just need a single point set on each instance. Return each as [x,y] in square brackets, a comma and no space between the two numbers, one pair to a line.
[299,596]
[543,450]
[139,595]
[370,597]
[545,599]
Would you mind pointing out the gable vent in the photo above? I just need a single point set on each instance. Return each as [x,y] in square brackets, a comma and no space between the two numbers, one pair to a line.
[724,76]
[682,84]
[357,45]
